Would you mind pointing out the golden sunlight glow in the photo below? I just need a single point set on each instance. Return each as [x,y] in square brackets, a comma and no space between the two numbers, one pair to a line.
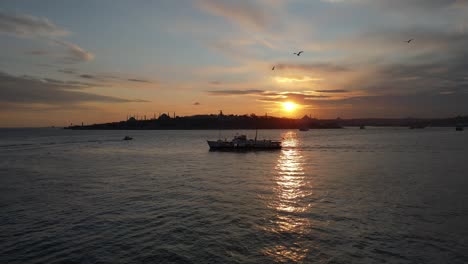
[298,79]
[291,200]
[289,106]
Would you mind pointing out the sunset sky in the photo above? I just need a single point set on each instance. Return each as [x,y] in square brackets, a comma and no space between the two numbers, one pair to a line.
[65,62]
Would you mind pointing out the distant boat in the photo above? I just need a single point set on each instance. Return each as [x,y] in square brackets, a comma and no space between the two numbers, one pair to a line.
[242,143]
[127,138]
[303,129]
[362,127]
[459,128]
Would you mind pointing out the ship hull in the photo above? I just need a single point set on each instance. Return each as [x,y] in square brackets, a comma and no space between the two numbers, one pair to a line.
[247,145]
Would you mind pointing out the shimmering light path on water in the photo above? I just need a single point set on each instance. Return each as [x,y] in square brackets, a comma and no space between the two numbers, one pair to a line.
[330,196]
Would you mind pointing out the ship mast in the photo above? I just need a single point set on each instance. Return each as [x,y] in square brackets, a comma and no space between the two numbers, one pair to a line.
[220,116]
[256,132]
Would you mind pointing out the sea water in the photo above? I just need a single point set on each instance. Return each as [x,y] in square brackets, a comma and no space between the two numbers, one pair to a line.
[329,196]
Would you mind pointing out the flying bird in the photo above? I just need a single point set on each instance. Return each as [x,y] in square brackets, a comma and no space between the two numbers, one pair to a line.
[273,68]
[408,41]
[298,53]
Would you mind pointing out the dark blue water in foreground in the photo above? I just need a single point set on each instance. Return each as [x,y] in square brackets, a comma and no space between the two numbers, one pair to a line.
[330,196]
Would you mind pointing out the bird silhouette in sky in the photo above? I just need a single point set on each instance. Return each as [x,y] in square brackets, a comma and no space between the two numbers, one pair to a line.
[273,68]
[298,53]
[408,41]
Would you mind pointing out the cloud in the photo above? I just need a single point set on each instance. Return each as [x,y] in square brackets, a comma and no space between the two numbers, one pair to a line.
[27,26]
[296,79]
[138,80]
[235,92]
[420,4]
[402,105]
[429,84]
[436,61]
[103,78]
[23,25]
[68,84]
[108,78]
[332,91]
[314,67]
[300,97]
[434,76]
[244,13]
[424,40]
[44,65]
[88,76]
[36,52]
[67,71]
[404,4]
[75,52]
[392,105]
[26,90]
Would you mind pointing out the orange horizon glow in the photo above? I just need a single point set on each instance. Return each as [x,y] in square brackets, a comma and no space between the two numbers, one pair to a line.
[298,79]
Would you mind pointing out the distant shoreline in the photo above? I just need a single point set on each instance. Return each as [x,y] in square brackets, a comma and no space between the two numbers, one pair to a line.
[230,122]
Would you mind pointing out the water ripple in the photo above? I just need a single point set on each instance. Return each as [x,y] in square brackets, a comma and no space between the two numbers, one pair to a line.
[326,197]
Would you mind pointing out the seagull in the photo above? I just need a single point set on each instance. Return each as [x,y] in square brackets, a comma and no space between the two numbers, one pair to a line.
[273,68]
[408,41]
[299,53]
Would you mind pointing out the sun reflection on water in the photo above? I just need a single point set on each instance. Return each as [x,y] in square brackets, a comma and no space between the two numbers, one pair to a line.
[289,202]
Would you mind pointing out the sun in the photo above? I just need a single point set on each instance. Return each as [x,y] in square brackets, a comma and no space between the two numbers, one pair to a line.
[289,106]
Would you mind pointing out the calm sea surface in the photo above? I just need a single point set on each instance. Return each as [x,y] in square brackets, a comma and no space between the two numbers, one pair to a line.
[330,196]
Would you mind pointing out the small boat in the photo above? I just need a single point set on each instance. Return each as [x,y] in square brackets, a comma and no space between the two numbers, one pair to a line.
[362,127]
[304,129]
[459,128]
[242,143]
[127,138]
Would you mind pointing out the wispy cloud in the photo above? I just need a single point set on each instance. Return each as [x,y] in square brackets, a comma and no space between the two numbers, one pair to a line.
[75,52]
[23,25]
[235,92]
[31,90]
[244,13]
[302,98]
[108,78]
[138,80]
[313,67]
[88,76]
[272,96]
[425,4]
[402,4]
[332,91]
[296,79]
[395,105]
[67,71]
